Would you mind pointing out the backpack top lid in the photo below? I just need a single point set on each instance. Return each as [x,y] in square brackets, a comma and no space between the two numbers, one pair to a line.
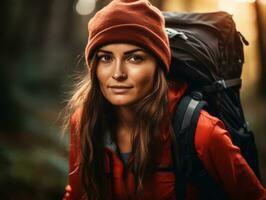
[206,47]
[220,21]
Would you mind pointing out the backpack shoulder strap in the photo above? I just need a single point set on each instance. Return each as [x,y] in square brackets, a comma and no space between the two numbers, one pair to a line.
[186,161]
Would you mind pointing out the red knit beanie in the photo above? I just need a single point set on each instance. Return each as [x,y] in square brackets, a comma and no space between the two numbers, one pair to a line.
[130,21]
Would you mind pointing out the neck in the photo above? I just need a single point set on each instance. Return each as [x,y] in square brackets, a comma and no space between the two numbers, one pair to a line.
[126,122]
[126,118]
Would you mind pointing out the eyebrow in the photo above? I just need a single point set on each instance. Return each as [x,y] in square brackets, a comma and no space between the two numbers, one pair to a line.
[126,53]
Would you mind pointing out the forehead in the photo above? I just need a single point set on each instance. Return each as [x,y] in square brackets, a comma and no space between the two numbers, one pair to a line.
[120,48]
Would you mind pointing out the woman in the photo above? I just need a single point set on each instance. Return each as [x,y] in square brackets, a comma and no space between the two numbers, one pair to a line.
[121,134]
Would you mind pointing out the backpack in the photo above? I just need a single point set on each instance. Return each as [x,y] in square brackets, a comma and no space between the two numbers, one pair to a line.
[207,52]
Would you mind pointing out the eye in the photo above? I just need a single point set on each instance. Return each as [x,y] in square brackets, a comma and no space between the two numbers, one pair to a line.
[135,58]
[104,58]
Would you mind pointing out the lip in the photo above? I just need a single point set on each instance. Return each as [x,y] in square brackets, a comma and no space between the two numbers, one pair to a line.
[120,89]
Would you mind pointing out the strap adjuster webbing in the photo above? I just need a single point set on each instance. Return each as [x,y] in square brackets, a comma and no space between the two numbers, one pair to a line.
[223,84]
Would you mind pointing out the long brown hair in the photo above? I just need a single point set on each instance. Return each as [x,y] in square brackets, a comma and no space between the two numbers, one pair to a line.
[98,117]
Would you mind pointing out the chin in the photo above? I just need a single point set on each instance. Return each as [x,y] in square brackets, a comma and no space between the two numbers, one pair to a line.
[121,102]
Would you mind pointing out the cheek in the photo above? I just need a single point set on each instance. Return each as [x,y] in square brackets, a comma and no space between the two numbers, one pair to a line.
[145,81]
[101,75]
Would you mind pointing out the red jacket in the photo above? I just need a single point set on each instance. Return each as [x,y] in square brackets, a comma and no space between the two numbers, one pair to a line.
[213,144]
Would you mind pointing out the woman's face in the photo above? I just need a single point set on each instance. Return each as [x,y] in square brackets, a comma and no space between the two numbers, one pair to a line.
[125,73]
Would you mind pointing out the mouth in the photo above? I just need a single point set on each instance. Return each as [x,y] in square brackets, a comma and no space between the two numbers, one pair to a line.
[120,89]
[119,86]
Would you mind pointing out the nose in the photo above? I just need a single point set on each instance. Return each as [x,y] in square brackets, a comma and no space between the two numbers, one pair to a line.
[119,72]
[120,76]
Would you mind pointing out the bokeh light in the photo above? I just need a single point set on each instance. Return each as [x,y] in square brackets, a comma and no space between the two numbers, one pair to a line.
[85,7]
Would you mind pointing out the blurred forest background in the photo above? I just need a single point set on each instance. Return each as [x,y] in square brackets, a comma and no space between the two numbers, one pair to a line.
[42,45]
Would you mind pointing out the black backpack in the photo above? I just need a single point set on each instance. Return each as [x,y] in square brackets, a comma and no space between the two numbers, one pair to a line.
[207,52]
